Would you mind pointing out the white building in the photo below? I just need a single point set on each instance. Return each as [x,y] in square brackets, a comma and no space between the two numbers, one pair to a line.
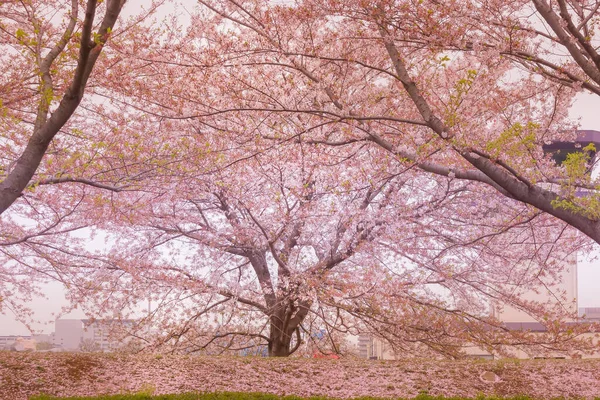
[68,334]
[7,341]
[591,314]
[89,335]
[25,342]
[561,294]
[105,335]
[371,348]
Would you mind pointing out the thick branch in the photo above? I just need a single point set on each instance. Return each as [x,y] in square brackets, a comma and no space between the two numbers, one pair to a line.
[66,179]
[25,167]
[556,24]
[514,185]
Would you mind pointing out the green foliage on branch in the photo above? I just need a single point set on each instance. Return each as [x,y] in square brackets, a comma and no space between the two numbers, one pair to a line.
[578,172]
[514,141]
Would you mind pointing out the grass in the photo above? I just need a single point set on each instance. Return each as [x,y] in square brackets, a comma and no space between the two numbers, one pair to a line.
[252,396]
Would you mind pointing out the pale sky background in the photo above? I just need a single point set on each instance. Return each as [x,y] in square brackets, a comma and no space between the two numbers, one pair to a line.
[586,108]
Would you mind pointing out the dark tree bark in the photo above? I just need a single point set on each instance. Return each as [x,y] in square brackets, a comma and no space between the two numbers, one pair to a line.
[282,335]
[45,129]
[509,182]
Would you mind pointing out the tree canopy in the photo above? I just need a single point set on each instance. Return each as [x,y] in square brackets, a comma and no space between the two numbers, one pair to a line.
[266,170]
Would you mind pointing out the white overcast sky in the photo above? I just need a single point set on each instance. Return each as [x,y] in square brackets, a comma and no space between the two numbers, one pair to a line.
[586,108]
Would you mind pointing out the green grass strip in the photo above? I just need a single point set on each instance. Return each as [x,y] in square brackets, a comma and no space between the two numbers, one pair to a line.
[255,396]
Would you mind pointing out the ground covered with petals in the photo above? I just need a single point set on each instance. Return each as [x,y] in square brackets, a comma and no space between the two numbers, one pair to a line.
[66,374]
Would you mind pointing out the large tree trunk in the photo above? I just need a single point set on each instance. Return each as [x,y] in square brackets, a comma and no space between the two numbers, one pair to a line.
[279,348]
[280,338]
[285,327]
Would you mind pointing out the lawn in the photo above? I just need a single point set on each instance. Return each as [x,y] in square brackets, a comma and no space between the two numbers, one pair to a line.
[247,396]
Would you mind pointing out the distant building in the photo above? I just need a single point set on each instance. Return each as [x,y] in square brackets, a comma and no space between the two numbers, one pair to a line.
[68,334]
[365,346]
[44,338]
[562,294]
[373,348]
[7,341]
[21,344]
[591,314]
[30,343]
[104,335]
[89,334]
[560,150]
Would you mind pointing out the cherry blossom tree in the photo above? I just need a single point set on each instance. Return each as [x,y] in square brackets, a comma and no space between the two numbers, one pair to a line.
[440,86]
[558,44]
[250,246]
[63,153]
[276,170]
[301,242]
[55,64]
[249,80]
